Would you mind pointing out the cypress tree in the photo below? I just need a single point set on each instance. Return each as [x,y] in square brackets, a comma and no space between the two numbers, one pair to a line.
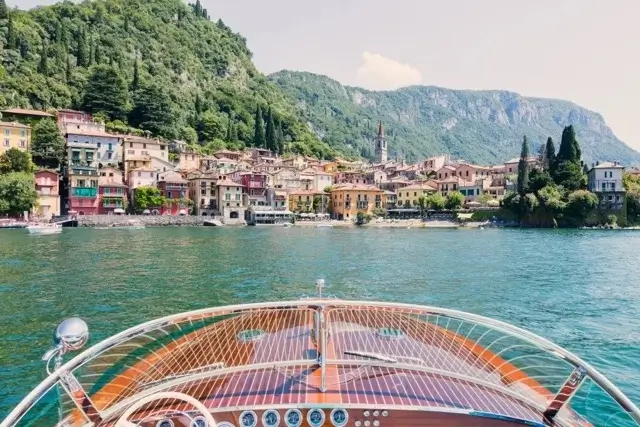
[550,156]
[198,104]
[135,83]
[280,137]
[81,52]
[68,69]
[97,52]
[58,32]
[43,67]
[270,134]
[523,168]
[259,139]
[229,130]
[12,39]
[91,51]
[24,49]
[569,148]
[4,11]
[126,23]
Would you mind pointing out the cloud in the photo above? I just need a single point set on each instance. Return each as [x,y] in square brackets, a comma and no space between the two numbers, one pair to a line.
[381,73]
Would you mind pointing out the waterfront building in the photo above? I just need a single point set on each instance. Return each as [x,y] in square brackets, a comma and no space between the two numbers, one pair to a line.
[108,146]
[410,195]
[230,203]
[349,199]
[309,201]
[255,187]
[139,152]
[605,180]
[202,190]
[448,185]
[286,178]
[392,199]
[174,188]
[470,172]
[446,171]
[471,190]
[81,179]
[48,190]
[112,191]
[14,135]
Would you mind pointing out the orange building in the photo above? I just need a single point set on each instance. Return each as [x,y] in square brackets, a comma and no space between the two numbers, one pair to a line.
[349,199]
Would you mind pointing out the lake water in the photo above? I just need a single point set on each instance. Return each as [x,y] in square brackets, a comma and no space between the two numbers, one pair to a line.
[581,289]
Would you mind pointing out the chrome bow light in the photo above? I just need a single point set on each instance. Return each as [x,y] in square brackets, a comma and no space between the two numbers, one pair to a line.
[70,335]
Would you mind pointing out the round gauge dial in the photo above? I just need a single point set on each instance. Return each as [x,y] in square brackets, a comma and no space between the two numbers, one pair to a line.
[271,418]
[315,417]
[199,421]
[248,419]
[293,418]
[339,417]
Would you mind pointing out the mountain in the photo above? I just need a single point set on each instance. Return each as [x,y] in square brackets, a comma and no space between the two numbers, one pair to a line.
[480,126]
[156,65]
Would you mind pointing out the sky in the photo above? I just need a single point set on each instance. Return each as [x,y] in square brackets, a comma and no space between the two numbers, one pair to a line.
[585,51]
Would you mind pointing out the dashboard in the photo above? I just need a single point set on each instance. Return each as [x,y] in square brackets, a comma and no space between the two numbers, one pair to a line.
[292,417]
[336,417]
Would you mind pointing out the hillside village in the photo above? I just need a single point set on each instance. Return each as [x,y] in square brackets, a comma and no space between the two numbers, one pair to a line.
[111,174]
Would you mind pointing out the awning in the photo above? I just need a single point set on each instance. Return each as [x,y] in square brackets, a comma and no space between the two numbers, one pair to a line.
[146,212]
[182,212]
[118,211]
[465,215]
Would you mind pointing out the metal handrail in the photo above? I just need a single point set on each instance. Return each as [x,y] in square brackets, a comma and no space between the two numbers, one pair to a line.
[18,412]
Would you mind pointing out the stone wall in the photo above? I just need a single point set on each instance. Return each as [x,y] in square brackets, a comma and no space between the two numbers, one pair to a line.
[152,221]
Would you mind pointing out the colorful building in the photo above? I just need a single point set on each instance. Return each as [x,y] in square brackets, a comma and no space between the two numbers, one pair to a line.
[112,192]
[175,189]
[605,180]
[255,186]
[349,199]
[14,135]
[410,195]
[202,190]
[48,190]
[139,152]
[108,146]
[81,175]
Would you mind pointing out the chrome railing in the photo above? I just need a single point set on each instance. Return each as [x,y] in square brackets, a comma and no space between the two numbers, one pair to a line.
[471,349]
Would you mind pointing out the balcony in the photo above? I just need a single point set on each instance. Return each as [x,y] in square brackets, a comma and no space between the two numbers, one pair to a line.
[112,205]
[84,192]
[255,184]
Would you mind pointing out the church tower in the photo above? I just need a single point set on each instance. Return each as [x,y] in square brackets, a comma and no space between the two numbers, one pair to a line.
[381,145]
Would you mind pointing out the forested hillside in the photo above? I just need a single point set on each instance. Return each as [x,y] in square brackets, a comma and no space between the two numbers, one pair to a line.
[157,65]
[480,126]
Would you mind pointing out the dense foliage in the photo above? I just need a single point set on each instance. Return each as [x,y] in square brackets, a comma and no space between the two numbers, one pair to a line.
[47,145]
[158,65]
[555,194]
[17,182]
[632,185]
[479,126]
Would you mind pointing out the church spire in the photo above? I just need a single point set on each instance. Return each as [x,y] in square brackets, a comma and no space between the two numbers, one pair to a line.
[380,130]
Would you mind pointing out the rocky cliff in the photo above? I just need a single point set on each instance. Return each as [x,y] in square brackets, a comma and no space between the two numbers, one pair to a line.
[481,126]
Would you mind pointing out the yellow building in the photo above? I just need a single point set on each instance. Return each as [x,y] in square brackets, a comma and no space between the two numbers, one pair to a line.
[409,196]
[14,135]
[349,199]
[303,201]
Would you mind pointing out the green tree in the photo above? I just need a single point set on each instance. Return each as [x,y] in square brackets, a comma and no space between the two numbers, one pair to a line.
[538,179]
[4,11]
[198,105]
[523,168]
[135,83]
[569,148]
[551,198]
[106,92]
[229,136]
[280,138]
[17,192]
[47,145]
[148,197]
[259,139]
[569,175]
[212,126]
[484,199]
[81,48]
[454,200]
[580,204]
[436,202]
[97,52]
[15,160]
[152,111]
[270,134]
[12,39]
[43,67]
[549,162]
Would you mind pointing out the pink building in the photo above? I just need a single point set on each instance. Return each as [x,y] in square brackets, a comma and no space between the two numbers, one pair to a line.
[255,185]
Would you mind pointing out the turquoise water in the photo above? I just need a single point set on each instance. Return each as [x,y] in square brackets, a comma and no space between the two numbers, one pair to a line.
[580,289]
